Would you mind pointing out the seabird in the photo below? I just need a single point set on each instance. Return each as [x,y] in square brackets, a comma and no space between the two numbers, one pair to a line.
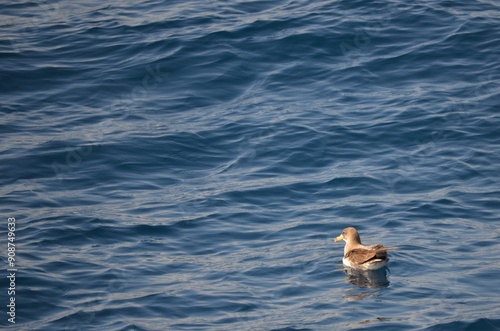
[362,257]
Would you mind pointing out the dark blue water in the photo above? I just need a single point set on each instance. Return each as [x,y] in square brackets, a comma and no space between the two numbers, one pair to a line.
[183,165]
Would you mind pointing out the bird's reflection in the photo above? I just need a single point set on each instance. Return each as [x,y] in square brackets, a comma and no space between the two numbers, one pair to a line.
[374,279]
[367,280]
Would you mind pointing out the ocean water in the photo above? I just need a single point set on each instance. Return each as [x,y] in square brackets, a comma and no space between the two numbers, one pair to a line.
[184,165]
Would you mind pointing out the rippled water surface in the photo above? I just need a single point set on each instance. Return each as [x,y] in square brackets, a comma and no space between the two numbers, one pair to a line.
[183,165]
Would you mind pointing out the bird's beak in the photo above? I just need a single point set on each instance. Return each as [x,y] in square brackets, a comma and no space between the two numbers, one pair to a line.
[339,238]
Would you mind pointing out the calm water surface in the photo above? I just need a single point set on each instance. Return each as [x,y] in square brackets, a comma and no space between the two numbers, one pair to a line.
[183,165]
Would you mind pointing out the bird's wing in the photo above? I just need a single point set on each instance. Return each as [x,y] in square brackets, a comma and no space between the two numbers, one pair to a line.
[363,255]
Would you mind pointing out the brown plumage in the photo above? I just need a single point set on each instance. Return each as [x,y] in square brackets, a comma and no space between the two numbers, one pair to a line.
[359,256]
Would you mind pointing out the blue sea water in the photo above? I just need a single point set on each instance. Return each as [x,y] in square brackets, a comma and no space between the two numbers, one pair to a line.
[183,165]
